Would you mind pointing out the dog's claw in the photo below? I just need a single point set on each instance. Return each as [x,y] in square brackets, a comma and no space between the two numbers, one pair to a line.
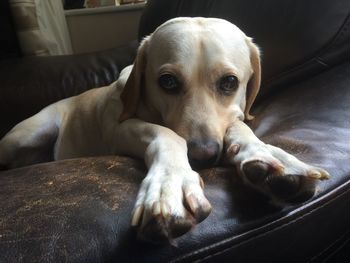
[324,175]
[156,208]
[200,210]
[201,183]
[165,210]
[318,175]
[137,214]
[314,175]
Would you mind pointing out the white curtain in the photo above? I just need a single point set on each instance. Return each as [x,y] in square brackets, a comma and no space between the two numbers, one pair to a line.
[52,24]
[41,27]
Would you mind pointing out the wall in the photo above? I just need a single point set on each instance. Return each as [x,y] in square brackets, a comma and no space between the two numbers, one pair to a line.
[94,29]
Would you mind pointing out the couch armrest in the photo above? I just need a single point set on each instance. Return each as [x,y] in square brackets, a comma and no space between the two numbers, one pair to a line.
[29,84]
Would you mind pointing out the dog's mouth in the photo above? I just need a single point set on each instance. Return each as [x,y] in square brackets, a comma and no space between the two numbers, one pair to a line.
[203,153]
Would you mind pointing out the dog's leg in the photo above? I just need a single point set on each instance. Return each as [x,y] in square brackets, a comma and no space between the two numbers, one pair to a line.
[30,141]
[170,200]
[270,169]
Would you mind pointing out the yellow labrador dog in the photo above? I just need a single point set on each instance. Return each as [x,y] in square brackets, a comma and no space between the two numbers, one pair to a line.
[184,101]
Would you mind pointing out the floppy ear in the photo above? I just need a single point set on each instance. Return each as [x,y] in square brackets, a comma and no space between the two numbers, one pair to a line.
[253,85]
[131,93]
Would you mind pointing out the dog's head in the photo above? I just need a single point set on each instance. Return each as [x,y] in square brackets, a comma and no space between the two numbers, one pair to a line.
[195,76]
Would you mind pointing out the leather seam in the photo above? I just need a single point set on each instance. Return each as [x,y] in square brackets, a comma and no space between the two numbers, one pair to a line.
[279,227]
[320,60]
[341,34]
[296,219]
[330,246]
[321,51]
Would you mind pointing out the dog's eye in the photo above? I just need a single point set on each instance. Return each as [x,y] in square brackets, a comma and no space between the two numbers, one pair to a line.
[228,84]
[169,83]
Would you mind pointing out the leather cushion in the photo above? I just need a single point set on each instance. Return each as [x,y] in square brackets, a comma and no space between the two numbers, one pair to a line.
[30,84]
[80,209]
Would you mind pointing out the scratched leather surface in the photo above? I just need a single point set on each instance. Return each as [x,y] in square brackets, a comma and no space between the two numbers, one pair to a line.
[69,210]
[79,210]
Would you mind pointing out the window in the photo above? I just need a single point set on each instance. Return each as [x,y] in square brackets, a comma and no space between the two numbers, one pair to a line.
[75,4]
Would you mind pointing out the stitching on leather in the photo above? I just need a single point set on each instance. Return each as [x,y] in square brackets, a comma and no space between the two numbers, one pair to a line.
[335,40]
[332,244]
[344,29]
[277,228]
[320,60]
[298,218]
[285,73]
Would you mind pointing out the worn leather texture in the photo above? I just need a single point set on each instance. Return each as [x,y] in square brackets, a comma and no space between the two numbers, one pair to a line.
[31,83]
[79,210]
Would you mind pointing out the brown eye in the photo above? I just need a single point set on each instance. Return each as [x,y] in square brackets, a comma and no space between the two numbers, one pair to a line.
[228,84]
[169,83]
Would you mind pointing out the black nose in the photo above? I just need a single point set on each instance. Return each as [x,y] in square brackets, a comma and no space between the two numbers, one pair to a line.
[203,153]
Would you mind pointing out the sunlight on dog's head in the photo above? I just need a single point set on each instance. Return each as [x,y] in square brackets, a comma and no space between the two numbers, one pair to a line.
[194,75]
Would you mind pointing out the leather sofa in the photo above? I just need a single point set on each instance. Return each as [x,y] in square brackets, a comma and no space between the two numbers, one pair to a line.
[79,210]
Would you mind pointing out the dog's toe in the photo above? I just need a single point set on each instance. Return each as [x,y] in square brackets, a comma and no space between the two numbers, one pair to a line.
[195,200]
[154,231]
[200,208]
[161,227]
[258,170]
[162,230]
[283,186]
[180,225]
[169,208]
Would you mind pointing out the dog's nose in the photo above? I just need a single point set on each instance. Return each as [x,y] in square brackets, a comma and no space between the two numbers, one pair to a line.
[203,153]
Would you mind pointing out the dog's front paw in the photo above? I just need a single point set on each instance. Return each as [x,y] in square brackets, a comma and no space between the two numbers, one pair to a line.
[278,174]
[169,204]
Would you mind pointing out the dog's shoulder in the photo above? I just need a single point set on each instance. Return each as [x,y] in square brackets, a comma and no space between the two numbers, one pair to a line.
[93,97]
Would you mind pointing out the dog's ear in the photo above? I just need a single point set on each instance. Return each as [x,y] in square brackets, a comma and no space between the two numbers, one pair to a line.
[131,93]
[253,85]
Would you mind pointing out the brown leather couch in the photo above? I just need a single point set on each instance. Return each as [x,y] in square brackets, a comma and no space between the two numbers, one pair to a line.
[79,210]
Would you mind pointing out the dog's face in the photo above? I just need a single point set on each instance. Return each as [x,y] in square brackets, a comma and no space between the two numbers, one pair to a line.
[197,75]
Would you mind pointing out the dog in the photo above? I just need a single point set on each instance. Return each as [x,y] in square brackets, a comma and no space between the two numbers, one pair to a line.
[182,104]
